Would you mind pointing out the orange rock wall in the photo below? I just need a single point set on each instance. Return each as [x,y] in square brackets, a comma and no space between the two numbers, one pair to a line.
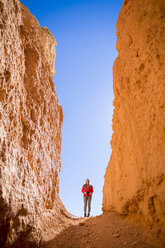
[135,175]
[30,124]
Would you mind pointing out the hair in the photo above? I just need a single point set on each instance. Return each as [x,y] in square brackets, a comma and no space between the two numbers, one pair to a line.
[88,181]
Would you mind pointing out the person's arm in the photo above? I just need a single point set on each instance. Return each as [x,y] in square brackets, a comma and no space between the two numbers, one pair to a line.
[82,189]
[91,189]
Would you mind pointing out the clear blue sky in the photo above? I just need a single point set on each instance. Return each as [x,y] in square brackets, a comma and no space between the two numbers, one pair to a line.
[86,35]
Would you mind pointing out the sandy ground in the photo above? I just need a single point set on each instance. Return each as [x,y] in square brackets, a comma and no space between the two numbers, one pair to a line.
[108,230]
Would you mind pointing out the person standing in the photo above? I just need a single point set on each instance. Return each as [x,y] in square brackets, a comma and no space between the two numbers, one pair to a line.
[87,191]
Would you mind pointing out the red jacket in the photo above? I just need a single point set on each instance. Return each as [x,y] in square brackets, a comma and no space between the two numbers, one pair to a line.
[86,189]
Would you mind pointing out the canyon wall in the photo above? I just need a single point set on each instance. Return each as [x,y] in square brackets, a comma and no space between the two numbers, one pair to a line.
[135,176]
[30,126]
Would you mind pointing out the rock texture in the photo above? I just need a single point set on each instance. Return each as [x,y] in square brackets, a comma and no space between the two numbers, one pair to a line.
[30,126]
[135,175]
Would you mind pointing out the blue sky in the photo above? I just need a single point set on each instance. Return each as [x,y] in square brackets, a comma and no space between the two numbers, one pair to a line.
[86,35]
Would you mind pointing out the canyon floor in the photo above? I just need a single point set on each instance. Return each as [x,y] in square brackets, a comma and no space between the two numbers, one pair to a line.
[108,230]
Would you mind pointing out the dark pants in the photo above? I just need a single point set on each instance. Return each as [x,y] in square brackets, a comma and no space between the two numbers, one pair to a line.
[87,199]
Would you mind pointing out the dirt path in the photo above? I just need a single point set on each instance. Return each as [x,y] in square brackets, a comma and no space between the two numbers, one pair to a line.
[105,231]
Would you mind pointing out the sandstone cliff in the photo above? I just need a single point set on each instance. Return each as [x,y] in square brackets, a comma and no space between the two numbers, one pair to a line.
[30,126]
[135,175]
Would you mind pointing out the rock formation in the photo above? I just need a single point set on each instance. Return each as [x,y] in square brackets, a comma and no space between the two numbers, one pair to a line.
[30,126]
[31,120]
[135,176]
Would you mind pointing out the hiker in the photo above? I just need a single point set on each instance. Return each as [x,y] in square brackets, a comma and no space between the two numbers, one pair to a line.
[87,191]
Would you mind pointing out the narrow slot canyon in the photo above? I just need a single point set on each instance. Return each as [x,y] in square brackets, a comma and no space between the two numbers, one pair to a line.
[133,202]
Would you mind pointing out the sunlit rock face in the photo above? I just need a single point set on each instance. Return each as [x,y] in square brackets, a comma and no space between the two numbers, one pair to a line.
[30,125]
[135,175]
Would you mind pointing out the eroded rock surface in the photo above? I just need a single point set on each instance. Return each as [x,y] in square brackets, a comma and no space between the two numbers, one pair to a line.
[135,176]
[30,127]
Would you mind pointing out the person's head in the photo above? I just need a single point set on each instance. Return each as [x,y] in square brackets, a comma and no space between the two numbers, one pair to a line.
[88,181]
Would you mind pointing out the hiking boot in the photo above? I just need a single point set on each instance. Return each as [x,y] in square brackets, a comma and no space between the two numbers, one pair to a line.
[88,215]
[84,214]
